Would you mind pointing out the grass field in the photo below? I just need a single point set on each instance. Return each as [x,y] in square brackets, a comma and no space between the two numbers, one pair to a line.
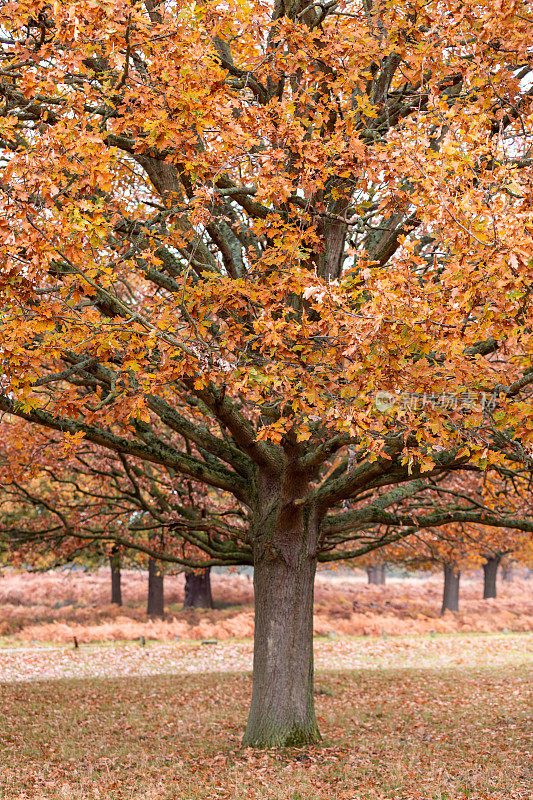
[391,730]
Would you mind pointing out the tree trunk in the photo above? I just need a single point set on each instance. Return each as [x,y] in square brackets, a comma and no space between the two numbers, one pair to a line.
[372,574]
[490,570]
[376,574]
[156,598]
[450,597]
[282,711]
[116,589]
[507,572]
[198,589]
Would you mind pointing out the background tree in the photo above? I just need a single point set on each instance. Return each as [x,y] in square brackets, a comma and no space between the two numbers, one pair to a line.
[116,585]
[198,589]
[155,606]
[508,542]
[375,566]
[463,546]
[56,501]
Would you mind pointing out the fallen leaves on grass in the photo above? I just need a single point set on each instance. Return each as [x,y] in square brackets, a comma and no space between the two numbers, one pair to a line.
[416,734]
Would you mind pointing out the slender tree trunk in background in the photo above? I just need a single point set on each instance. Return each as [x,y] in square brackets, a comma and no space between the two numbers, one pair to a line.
[282,710]
[376,574]
[490,570]
[507,572]
[116,589]
[156,598]
[198,589]
[450,597]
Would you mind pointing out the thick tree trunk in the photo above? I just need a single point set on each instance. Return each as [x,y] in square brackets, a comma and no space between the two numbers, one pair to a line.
[198,589]
[282,711]
[376,574]
[116,589]
[156,597]
[490,570]
[450,597]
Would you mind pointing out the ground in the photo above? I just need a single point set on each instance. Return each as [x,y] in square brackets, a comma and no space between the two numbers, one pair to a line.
[57,606]
[411,706]
[453,726]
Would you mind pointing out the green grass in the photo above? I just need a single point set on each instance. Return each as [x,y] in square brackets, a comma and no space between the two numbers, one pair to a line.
[390,733]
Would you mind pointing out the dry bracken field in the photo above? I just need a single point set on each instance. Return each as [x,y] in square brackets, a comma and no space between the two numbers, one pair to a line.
[56,606]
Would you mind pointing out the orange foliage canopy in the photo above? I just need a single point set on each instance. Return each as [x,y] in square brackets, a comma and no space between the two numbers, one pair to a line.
[298,208]
[235,225]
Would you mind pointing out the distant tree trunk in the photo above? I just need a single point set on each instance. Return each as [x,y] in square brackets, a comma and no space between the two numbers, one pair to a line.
[450,596]
[116,589]
[507,572]
[198,589]
[490,570]
[372,574]
[156,598]
[376,574]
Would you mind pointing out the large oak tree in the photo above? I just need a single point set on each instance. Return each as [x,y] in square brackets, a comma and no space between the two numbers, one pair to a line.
[229,228]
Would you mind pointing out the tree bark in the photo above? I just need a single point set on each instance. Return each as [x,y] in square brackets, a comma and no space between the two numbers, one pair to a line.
[450,597]
[490,570]
[376,574]
[372,575]
[507,572]
[198,589]
[116,589]
[156,598]
[282,710]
